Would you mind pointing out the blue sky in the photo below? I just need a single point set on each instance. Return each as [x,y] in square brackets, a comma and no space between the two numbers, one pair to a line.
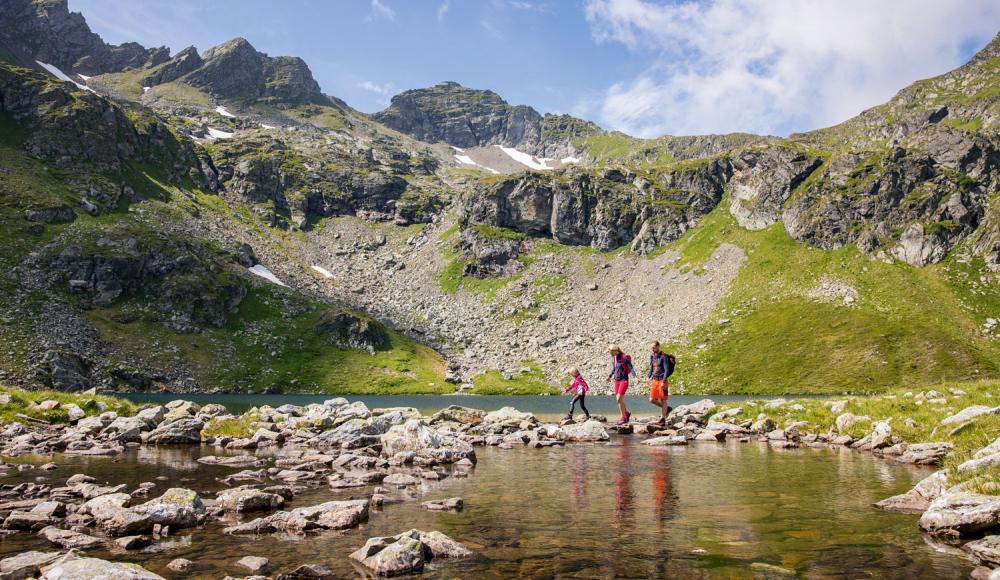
[646,67]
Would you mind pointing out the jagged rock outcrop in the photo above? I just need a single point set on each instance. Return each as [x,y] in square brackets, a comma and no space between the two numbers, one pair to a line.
[762,181]
[604,209]
[77,128]
[45,30]
[463,117]
[351,330]
[183,63]
[236,70]
[183,280]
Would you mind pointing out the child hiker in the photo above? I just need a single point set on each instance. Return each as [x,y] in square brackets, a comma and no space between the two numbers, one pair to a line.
[579,389]
[621,368]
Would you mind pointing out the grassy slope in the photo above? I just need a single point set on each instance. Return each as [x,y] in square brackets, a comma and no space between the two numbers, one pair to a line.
[900,404]
[234,357]
[22,402]
[908,326]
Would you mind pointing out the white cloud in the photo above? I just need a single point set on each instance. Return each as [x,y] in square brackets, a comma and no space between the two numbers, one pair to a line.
[777,65]
[529,6]
[443,9]
[380,9]
[386,89]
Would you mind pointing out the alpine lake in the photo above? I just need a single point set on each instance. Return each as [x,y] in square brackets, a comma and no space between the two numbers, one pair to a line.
[616,509]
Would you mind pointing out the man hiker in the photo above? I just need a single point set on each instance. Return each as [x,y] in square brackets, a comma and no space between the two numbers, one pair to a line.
[661,365]
[621,368]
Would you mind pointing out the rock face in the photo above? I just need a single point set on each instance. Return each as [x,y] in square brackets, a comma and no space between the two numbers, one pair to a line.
[235,70]
[49,32]
[462,117]
[604,209]
[351,330]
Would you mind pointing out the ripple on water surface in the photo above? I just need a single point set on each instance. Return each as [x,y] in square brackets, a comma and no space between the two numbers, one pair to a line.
[589,511]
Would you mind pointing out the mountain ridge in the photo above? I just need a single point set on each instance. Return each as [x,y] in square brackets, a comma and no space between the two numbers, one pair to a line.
[291,204]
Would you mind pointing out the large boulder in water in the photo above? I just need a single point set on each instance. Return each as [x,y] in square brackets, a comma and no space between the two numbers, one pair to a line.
[590,430]
[177,508]
[332,515]
[185,430]
[72,567]
[417,437]
[959,514]
[407,552]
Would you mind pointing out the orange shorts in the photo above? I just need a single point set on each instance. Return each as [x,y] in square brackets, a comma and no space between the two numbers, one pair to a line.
[659,390]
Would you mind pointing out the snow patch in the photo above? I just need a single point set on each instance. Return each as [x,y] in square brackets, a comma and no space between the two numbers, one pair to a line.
[224,111]
[266,126]
[466,160]
[214,134]
[326,273]
[459,149]
[146,89]
[524,158]
[63,76]
[566,160]
[84,77]
[263,272]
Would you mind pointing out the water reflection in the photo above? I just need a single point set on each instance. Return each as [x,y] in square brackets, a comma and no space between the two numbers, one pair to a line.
[584,511]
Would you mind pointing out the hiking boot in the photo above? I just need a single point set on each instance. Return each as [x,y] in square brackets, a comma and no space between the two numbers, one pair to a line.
[587,417]
[568,417]
[622,421]
[628,417]
[661,423]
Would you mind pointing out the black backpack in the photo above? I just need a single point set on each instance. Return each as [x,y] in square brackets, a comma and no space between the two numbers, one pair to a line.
[671,364]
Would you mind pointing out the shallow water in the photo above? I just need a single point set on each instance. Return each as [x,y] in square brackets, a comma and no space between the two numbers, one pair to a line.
[541,406]
[588,511]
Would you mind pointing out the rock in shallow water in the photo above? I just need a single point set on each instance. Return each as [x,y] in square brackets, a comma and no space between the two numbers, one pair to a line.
[76,568]
[407,552]
[959,514]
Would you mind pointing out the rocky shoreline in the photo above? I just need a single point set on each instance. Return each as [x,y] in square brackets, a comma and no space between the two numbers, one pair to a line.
[342,446]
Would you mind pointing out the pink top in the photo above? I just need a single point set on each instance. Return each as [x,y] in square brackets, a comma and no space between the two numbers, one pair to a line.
[579,385]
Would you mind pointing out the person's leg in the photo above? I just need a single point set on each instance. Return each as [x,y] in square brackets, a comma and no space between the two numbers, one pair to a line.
[583,406]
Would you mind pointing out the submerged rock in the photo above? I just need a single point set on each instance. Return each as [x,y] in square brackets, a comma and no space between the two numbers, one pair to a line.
[76,568]
[454,503]
[69,539]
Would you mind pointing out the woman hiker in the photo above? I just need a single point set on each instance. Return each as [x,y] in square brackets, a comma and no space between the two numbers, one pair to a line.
[621,368]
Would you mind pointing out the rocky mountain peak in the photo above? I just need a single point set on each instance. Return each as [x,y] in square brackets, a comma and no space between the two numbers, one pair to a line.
[237,70]
[462,117]
[45,30]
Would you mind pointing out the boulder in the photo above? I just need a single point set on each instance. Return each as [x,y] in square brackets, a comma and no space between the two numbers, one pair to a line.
[333,515]
[26,564]
[73,568]
[590,430]
[458,414]
[26,521]
[255,564]
[985,551]
[177,508]
[383,557]
[416,436]
[133,542]
[453,503]
[508,416]
[152,416]
[959,514]
[925,453]
[105,506]
[127,522]
[970,413]
[180,565]
[244,499]
[69,539]
[184,430]
[979,462]
[400,480]
[666,440]
[848,420]
[918,499]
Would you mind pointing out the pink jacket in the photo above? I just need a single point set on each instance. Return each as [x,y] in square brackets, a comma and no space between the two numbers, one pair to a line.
[579,385]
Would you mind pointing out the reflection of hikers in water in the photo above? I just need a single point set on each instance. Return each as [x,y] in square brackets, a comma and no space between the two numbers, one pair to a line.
[580,476]
[664,497]
[621,368]
[579,389]
[623,482]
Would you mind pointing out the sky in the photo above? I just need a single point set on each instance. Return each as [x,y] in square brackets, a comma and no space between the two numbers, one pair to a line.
[645,67]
